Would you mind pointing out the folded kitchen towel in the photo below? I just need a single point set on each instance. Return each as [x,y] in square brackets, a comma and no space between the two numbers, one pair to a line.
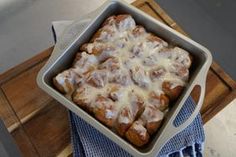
[88,142]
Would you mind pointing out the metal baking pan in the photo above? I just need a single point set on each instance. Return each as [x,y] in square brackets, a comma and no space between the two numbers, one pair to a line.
[81,31]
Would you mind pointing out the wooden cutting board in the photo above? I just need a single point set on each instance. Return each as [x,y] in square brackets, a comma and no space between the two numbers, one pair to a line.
[40,125]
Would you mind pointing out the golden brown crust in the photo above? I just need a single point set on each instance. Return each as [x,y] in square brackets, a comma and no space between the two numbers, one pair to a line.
[157,73]
[161,101]
[66,81]
[95,50]
[151,118]
[102,35]
[122,128]
[100,114]
[96,35]
[136,104]
[77,58]
[109,21]
[173,93]
[102,50]
[180,70]
[81,99]
[104,111]
[84,47]
[137,134]
[58,86]
[122,17]
[97,78]
[151,37]
[112,64]
[129,113]
[152,127]
[138,30]
[124,120]
[115,92]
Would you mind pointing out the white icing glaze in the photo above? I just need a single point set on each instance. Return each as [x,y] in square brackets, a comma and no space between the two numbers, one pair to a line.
[86,62]
[151,114]
[61,78]
[137,55]
[126,24]
[65,78]
[90,48]
[110,114]
[125,116]
[124,120]
[142,131]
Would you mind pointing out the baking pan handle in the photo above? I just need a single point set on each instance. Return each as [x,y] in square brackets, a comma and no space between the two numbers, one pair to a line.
[67,36]
[201,81]
[170,129]
[71,33]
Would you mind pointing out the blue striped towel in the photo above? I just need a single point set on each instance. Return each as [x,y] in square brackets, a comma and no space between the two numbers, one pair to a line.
[88,142]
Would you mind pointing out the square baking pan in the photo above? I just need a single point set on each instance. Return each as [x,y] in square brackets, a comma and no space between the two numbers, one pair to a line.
[82,30]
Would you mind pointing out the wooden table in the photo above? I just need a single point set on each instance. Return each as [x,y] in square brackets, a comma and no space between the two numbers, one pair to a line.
[39,124]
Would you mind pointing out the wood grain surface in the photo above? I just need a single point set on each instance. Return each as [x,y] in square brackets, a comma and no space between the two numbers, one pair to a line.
[7,113]
[24,95]
[40,125]
[49,129]
[24,143]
